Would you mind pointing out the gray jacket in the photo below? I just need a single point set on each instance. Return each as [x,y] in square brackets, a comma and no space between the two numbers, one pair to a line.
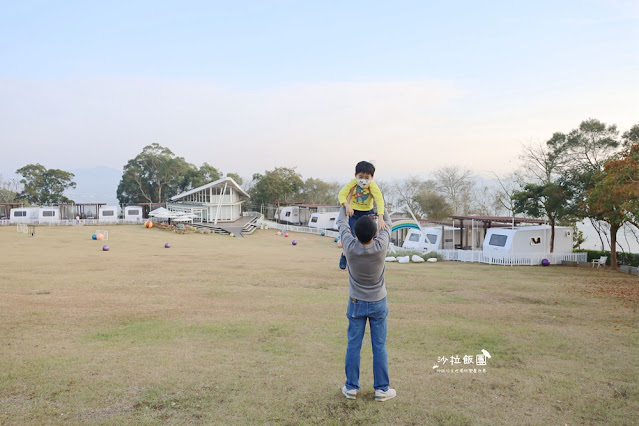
[365,263]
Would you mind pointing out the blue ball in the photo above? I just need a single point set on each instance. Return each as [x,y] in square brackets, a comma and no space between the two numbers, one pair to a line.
[336,238]
[94,237]
[323,233]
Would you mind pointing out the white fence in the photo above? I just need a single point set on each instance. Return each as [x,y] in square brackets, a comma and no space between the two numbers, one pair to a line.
[304,229]
[529,260]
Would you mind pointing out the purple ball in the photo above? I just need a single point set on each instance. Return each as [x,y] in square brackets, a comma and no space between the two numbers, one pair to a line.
[105,248]
[167,245]
[545,262]
[294,242]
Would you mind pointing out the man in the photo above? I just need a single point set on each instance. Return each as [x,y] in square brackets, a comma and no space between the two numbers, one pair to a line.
[367,301]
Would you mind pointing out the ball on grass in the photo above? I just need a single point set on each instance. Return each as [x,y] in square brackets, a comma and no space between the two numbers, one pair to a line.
[105,248]
[94,237]
[148,224]
[99,236]
[323,234]
[294,242]
[336,239]
[286,235]
[167,245]
[545,262]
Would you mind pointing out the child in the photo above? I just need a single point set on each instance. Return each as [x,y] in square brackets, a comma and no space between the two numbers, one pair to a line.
[358,196]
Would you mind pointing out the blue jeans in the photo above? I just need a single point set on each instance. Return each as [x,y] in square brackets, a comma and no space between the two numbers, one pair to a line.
[357,215]
[358,312]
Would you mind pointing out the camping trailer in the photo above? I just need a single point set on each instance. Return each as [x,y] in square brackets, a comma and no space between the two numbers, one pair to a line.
[109,213]
[289,214]
[133,214]
[49,214]
[432,241]
[24,215]
[527,240]
[323,220]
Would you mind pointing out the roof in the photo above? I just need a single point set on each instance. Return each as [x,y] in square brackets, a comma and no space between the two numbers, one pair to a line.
[500,219]
[208,185]
[531,228]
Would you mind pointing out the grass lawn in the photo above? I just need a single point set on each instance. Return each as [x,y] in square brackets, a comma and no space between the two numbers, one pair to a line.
[228,330]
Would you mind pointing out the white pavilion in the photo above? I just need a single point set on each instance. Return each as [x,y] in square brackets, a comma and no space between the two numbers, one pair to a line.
[218,201]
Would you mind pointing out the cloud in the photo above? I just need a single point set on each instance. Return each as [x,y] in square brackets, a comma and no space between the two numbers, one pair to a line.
[108,121]
[323,129]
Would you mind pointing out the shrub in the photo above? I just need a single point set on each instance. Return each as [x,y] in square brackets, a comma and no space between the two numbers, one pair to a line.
[631,259]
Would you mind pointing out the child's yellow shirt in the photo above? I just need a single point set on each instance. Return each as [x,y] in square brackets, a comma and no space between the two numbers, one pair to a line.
[362,199]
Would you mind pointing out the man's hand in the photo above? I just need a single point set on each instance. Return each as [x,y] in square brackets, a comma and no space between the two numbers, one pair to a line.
[349,210]
[382,223]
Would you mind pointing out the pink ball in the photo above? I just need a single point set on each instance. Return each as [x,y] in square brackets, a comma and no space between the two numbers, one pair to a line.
[286,235]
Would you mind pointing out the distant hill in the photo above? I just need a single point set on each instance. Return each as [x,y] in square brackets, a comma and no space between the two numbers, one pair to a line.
[95,185]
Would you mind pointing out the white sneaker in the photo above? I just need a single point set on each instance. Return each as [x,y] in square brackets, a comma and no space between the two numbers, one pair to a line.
[380,395]
[349,393]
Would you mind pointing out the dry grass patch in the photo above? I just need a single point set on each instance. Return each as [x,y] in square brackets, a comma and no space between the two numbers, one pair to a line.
[253,330]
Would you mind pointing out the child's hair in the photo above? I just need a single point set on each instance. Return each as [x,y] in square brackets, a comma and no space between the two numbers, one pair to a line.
[365,229]
[365,167]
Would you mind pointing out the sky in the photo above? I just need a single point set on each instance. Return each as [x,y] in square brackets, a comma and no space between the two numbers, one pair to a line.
[249,86]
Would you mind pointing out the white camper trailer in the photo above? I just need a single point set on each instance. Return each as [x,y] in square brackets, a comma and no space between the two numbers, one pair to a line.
[323,220]
[526,240]
[24,215]
[49,214]
[109,213]
[432,241]
[288,214]
[133,214]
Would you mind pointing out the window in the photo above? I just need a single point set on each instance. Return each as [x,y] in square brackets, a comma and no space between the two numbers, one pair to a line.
[498,240]
[568,233]
[535,241]
[432,238]
[19,213]
[288,214]
[314,219]
[413,237]
[48,213]
[133,212]
[108,213]
[332,219]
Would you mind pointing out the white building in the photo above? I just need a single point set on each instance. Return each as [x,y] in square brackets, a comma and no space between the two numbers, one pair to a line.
[216,201]
[109,214]
[527,240]
[323,220]
[133,214]
[24,215]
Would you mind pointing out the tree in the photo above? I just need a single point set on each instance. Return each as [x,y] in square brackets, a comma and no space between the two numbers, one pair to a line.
[539,200]
[153,175]
[9,190]
[614,198]
[192,177]
[584,152]
[237,178]
[456,185]
[276,186]
[407,191]
[631,137]
[316,191]
[508,185]
[44,186]
[432,205]
[549,193]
